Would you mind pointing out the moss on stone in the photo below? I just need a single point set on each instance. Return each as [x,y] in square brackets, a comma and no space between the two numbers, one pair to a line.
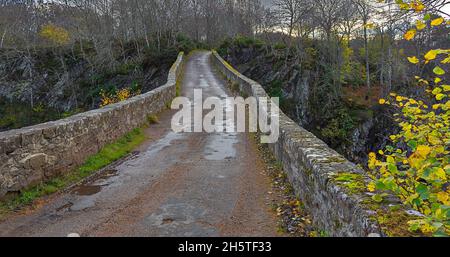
[334,159]
[393,220]
[353,182]
[395,223]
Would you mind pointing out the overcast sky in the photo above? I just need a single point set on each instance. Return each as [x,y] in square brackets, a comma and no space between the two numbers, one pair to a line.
[446,9]
[267,2]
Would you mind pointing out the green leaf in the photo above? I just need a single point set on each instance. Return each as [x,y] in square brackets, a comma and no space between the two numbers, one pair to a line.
[414,226]
[390,160]
[440,233]
[423,191]
[427,17]
[377,198]
[412,144]
[392,168]
[438,70]
[380,185]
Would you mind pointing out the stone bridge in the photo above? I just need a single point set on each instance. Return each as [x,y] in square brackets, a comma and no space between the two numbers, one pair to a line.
[183,184]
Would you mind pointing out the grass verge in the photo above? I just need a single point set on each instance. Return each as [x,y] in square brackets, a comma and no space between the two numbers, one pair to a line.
[153,119]
[106,156]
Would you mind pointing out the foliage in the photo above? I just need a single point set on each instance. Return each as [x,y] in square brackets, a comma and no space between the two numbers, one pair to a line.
[16,114]
[55,34]
[279,46]
[338,128]
[117,95]
[353,72]
[153,119]
[245,42]
[416,166]
[186,44]
[238,42]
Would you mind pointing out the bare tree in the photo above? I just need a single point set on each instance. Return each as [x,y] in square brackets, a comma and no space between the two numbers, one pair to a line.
[365,9]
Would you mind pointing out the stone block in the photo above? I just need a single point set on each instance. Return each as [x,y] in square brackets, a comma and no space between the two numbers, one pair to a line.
[34,161]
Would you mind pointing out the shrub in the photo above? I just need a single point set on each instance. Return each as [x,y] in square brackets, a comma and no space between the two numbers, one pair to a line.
[279,46]
[416,166]
[116,96]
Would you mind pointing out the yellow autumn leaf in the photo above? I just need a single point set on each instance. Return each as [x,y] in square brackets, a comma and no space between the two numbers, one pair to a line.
[371,187]
[410,34]
[382,101]
[443,197]
[413,60]
[437,22]
[420,25]
[436,91]
[434,140]
[423,150]
[440,173]
[431,55]
[404,6]
[446,60]
[418,6]
[439,97]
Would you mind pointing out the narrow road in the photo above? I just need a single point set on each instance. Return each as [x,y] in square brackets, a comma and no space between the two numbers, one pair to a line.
[187,184]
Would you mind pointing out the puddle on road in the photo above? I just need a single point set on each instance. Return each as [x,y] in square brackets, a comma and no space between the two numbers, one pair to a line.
[85,190]
[95,184]
[221,148]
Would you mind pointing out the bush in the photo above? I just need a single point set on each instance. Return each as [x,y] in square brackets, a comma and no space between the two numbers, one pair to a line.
[338,128]
[416,166]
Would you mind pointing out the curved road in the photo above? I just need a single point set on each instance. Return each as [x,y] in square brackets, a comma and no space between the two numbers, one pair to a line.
[188,184]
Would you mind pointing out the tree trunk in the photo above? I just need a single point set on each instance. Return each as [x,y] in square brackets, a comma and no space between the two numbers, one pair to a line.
[3,38]
[366,46]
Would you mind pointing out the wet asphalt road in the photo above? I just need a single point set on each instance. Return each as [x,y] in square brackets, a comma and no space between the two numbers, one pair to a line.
[186,184]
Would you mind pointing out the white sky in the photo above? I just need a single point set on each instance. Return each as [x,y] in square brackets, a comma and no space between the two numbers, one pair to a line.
[269,3]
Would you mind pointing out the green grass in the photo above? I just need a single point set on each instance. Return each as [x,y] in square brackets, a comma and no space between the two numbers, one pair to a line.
[153,119]
[106,156]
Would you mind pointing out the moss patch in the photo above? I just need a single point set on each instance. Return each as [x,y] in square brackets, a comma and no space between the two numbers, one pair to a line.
[353,182]
[395,223]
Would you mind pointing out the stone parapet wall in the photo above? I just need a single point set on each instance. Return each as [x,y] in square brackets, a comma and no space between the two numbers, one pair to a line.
[316,171]
[35,154]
